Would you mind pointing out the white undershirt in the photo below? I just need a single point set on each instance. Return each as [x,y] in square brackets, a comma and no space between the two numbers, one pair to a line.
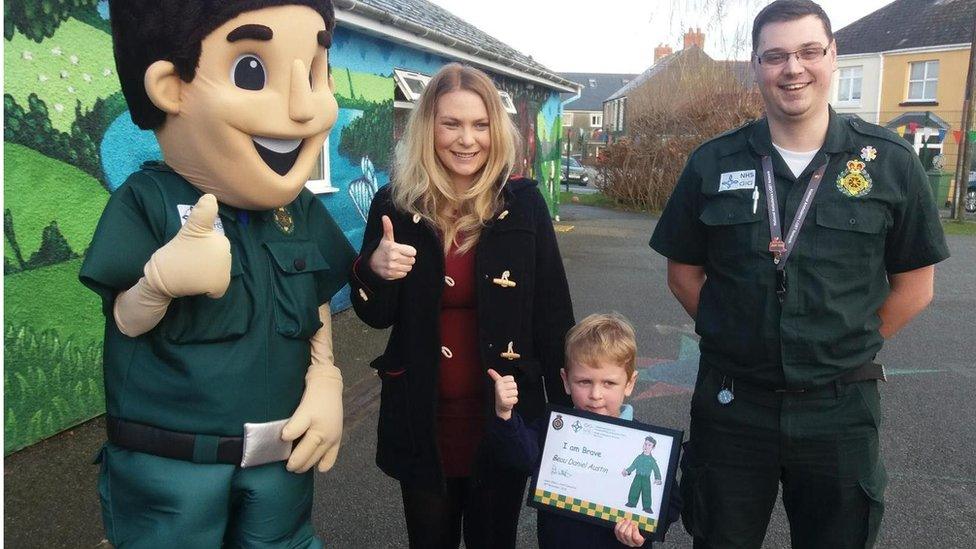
[797,161]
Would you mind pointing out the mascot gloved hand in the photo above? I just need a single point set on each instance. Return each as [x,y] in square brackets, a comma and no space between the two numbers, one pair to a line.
[197,261]
[216,268]
[318,420]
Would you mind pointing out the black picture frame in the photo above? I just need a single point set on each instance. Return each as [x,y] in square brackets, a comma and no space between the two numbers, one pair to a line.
[669,480]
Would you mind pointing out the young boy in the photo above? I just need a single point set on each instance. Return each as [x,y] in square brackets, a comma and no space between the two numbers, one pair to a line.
[601,353]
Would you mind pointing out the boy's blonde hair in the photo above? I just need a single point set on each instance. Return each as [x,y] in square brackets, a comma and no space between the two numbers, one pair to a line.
[608,337]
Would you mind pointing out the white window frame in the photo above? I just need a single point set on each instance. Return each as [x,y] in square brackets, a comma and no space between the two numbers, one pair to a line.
[404,77]
[507,102]
[921,135]
[567,119]
[927,83]
[324,185]
[596,119]
[846,77]
[618,114]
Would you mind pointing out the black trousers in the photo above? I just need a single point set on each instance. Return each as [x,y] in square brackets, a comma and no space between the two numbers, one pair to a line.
[822,448]
[486,511]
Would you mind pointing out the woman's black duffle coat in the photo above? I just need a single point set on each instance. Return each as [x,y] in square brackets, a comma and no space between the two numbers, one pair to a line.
[533,316]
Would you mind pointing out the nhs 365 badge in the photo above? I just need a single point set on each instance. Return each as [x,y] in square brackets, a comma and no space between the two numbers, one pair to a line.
[855,181]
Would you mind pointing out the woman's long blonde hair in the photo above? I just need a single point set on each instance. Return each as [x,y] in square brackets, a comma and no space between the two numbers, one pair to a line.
[421,184]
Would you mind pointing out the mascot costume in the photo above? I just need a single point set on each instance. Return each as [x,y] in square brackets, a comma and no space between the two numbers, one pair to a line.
[215,268]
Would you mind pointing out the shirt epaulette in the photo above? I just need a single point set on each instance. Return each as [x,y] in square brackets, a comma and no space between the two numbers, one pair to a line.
[721,139]
[873,130]
[728,133]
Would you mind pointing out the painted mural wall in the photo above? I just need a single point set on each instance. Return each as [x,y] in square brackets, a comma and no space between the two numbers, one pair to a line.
[69,143]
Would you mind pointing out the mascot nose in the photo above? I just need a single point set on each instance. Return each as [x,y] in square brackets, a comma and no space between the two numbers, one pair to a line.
[301,107]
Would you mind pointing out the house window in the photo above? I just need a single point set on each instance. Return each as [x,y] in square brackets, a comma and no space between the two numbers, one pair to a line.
[320,181]
[567,119]
[507,102]
[596,120]
[619,106]
[410,84]
[923,77]
[849,85]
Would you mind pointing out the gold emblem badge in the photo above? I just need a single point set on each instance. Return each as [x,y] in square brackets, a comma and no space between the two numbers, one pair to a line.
[284,221]
[854,181]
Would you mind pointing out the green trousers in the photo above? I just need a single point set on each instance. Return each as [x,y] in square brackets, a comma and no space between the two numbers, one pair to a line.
[822,447]
[640,487]
[152,502]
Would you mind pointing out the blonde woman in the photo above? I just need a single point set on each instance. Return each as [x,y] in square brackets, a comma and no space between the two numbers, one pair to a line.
[461,260]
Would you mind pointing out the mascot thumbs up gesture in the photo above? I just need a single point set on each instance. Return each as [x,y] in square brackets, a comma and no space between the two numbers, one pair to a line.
[215,268]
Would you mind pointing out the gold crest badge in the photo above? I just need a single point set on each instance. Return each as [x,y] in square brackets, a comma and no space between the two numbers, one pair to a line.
[855,181]
[284,221]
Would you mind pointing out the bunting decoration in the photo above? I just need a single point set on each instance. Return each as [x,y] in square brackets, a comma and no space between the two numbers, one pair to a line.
[957,135]
[942,134]
[912,127]
[900,130]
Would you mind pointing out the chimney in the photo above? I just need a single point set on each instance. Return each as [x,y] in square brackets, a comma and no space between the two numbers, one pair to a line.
[695,37]
[661,51]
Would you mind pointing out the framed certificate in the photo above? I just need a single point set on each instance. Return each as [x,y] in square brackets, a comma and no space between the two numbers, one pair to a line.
[603,469]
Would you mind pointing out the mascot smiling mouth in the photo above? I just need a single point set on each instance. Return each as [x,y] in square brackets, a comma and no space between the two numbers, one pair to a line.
[279,154]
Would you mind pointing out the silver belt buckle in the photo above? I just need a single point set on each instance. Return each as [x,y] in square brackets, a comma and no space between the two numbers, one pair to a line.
[263,444]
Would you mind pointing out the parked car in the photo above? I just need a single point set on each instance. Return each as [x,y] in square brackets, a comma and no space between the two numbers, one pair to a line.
[574,172]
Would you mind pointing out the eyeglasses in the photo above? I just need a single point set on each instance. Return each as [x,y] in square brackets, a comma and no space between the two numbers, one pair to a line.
[808,54]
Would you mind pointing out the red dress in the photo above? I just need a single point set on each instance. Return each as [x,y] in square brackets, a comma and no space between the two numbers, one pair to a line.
[461,384]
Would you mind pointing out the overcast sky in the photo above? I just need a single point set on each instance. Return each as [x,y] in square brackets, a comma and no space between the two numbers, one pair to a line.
[620,35]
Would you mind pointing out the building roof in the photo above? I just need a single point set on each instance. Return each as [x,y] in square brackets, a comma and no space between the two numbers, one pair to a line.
[656,69]
[742,70]
[596,87]
[433,22]
[907,24]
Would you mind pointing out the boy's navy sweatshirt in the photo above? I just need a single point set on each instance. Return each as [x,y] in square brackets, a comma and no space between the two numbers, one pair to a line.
[518,446]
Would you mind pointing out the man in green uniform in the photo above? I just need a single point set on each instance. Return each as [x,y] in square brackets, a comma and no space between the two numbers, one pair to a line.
[215,270]
[640,488]
[798,243]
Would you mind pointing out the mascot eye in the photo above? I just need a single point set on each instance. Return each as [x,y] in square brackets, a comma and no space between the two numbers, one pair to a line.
[248,72]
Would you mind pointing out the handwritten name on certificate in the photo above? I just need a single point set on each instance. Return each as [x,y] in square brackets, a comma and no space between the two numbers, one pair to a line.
[603,469]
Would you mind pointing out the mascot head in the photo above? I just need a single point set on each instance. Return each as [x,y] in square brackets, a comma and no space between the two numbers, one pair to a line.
[238,92]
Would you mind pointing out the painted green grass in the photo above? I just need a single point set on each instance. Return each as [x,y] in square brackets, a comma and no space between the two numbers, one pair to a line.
[52,353]
[967,228]
[39,189]
[362,86]
[50,383]
[51,298]
[75,64]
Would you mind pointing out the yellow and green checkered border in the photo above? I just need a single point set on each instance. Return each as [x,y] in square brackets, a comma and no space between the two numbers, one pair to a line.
[596,510]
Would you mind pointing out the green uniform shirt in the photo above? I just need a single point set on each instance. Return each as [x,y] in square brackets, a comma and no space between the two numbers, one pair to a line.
[645,465]
[211,365]
[856,232]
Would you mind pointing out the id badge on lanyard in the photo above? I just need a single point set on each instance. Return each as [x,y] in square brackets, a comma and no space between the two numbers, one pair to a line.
[780,248]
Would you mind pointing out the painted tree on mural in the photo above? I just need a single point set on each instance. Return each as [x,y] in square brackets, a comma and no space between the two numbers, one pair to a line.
[39,19]
[61,94]
[370,135]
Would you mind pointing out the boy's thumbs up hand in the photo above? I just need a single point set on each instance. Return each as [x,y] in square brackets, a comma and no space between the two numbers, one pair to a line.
[196,261]
[392,261]
[506,394]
